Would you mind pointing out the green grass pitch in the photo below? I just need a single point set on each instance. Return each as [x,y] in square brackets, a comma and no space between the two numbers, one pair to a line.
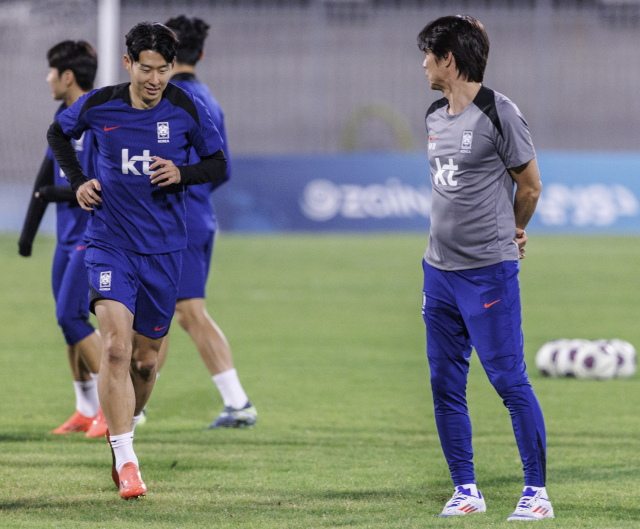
[329,343]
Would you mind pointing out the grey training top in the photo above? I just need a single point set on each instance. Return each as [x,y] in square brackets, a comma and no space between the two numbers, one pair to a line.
[472,219]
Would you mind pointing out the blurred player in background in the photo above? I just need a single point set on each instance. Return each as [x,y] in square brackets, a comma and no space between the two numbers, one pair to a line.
[191,311]
[144,131]
[72,70]
[479,145]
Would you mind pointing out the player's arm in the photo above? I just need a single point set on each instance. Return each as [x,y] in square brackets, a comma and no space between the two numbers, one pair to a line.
[205,139]
[57,194]
[87,191]
[208,169]
[36,209]
[529,187]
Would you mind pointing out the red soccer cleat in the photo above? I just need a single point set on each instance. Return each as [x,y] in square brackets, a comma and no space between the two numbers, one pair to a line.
[131,484]
[77,423]
[114,472]
[98,427]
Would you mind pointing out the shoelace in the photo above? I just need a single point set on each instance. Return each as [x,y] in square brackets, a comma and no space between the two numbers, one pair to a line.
[457,499]
[526,501]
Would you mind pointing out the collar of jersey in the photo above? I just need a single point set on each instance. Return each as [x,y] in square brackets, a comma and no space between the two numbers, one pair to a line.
[185,76]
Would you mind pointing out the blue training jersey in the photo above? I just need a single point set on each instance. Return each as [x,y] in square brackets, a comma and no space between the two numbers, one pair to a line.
[136,215]
[200,213]
[71,219]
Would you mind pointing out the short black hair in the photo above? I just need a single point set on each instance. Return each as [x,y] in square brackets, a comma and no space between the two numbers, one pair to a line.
[191,36]
[464,37]
[151,36]
[77,56]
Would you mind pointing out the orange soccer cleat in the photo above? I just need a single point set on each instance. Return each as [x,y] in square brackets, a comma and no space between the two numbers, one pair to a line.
[131,484]
[98,427]
[77,423]
[114,472]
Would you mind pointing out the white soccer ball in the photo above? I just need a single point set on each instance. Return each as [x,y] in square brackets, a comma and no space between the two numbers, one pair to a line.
[546,357]
[565,359]
[626,353]
[595,360]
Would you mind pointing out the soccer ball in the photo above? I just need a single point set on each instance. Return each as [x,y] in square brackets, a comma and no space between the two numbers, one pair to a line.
[546,357]
[595,360]
[626,354]
[567,355]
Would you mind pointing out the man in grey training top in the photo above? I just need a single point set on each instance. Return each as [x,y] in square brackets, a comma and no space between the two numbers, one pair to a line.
[479,147]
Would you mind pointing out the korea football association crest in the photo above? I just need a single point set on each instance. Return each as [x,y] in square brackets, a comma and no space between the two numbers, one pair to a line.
[105,280]
[163,132]
[467,141]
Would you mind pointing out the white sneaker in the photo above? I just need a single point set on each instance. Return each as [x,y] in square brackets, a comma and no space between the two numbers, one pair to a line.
[534,505]
[463,502]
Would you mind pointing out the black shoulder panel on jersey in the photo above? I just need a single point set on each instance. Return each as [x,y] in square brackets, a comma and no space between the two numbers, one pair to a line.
[486,101]
[177,97]
[108,93]
[436,105]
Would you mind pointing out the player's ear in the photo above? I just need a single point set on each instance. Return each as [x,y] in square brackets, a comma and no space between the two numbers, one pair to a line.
[201,55]
[448,59]
[127,62]
[68,77]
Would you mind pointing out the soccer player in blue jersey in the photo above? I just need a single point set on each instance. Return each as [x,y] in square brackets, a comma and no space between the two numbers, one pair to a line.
[72,70]
[191,311]
[144,131]
[479,149]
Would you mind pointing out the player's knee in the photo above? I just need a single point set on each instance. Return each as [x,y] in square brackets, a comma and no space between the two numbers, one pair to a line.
[116,351]
[145,369]
[189,317]
[442,388]
[509,387]
[182,317]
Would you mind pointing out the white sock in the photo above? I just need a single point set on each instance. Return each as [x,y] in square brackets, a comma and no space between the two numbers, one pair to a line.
[123,449]
[136,418]
[230,389]
[472,487]
[87,401]
[536,489]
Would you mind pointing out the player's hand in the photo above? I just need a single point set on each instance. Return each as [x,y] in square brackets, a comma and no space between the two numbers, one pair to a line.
[521,240]
[88,194]
[166,172]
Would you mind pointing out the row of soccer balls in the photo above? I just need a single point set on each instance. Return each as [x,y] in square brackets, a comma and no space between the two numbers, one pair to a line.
[599,359]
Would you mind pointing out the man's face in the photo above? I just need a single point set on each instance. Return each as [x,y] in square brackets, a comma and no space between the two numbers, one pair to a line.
[57,84]
[149,76]
[434,70]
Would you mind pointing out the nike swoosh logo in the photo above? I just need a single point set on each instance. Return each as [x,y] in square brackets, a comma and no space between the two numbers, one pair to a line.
[487,305]
[160,328]
[106,129]
[431,138]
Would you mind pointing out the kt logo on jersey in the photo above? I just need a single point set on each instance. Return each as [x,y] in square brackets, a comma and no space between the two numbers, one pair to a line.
[448,168]
[129,164]
[163,132]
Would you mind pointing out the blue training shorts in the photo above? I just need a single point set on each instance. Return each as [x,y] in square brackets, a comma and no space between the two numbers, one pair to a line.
[196,260]
[146,284]
[71,292]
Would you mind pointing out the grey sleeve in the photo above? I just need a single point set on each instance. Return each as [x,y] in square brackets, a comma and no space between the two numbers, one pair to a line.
[514,146]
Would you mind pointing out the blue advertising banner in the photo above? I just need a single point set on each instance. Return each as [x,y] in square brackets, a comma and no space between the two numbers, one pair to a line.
[583,192]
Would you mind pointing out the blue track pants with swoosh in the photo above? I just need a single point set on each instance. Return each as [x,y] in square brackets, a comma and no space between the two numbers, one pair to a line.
[480,308]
